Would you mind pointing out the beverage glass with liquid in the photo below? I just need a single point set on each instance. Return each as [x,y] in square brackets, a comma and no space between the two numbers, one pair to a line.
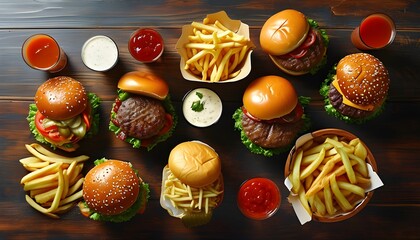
[376,31]
[42,52]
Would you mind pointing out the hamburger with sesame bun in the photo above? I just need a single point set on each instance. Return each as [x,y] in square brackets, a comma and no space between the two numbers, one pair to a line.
[192,183]
[271,116]
[356,88]
[63,113]
[143,114]
[294,42]
[113,191]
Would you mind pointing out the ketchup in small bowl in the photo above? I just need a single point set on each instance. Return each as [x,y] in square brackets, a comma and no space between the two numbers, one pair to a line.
[146,45]
[259,198]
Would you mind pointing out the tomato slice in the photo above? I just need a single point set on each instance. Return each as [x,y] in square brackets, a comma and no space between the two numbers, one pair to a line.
[51,133]
[298,53]
[166,127]
[303,48]
[310,39]
[295,115]
[86,119]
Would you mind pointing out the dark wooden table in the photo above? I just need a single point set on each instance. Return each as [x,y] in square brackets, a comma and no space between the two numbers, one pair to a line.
[392,213]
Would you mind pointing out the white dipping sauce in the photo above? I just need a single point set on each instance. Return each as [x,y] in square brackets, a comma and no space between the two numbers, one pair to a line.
[100,53]
[212,107]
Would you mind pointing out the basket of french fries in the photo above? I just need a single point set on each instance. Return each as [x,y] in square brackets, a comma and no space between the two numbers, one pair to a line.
[331,175]
[216,49]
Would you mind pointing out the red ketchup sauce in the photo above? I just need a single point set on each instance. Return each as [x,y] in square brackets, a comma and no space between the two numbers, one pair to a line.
[376,31]
[259,198]
[146,45]
[42,52]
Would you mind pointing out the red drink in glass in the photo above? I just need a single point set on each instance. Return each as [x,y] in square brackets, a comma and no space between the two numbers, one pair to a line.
[375,32]
[42,52]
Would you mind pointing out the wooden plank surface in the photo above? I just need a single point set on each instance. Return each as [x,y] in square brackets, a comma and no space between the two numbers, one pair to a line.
[393,137]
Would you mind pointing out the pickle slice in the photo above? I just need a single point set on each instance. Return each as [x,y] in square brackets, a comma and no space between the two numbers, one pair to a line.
[195,219]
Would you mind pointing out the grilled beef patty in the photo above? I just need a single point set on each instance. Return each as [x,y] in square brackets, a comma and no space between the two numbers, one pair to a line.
[311,59]
[270,135]
[336,100]
[141,117]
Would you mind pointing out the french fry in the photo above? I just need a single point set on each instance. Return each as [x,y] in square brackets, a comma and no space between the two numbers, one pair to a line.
[43,154]
[214,52]
[54,181]
[313,166]
[296,172]
[332,174]
[191,199]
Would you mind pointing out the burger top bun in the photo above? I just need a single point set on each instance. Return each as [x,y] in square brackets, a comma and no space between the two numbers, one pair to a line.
[283,32]
[111,187]
[144,83]
[363,79]
[61,98]
[194,163]
[270,97]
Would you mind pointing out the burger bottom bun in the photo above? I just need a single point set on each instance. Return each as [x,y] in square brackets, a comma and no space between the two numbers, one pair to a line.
[144,83]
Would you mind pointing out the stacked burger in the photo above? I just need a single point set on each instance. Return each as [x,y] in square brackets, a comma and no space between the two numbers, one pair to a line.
[192,183]
[356,89]
[271,117]
[143,114]
[63,113]
[294,43]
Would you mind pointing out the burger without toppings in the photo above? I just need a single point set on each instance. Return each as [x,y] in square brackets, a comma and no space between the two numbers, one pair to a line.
[356,89]
[271,116]
[198,167]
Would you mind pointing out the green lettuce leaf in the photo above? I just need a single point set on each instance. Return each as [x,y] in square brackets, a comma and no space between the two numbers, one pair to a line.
[94,103]
[326,41]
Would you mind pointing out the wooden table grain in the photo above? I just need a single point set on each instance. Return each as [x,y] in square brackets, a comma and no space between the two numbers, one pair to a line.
[392,213]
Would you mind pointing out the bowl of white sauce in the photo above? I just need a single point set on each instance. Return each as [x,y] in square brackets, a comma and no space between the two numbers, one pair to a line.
[100,53]
[202,107]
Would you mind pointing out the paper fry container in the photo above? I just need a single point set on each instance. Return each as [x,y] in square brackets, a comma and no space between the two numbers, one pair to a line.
[300,211]
[235,26]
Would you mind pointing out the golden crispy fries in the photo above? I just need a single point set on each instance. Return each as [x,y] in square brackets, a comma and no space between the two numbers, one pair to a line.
[296,172]
[45,155]
[214,51]
[192,199]
[54,182]
[329,175]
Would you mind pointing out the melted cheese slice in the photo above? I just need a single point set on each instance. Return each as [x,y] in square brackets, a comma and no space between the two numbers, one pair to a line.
[346,101]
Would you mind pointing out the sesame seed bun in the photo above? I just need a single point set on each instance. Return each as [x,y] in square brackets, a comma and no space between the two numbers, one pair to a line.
[283,32]
[195,163]
[111,187]
[144,83]
[270,97]
[363,79]
[61,98]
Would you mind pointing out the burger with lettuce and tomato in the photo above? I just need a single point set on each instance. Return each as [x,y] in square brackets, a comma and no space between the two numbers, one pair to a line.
[294,42]
[63,113]
[143,114]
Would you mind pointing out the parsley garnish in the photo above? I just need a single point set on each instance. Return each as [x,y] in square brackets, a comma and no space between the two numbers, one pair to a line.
[198,105]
